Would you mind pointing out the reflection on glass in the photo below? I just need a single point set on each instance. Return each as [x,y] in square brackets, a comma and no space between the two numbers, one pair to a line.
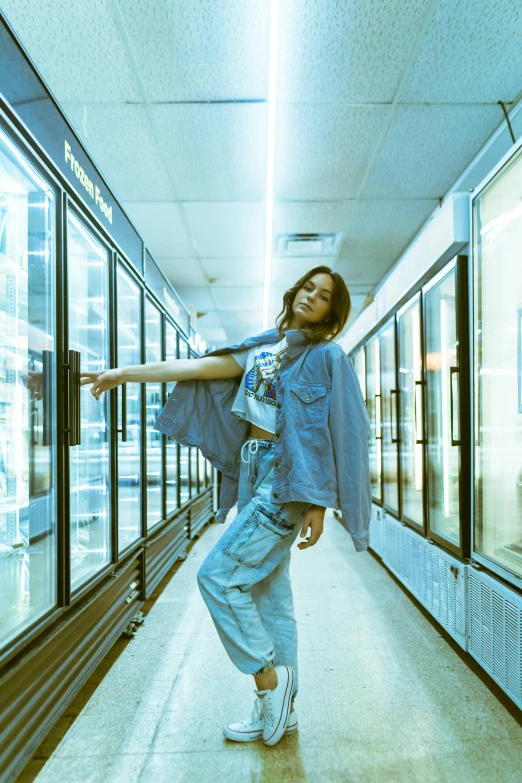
[171,347]
[202,472]
[359,363]
[373,403]
[153,408]
[88,292]
[209,474]
[498,369]
[411,424]
[193,472]
[390,424]
[442,411]
[129,451]
[27,395]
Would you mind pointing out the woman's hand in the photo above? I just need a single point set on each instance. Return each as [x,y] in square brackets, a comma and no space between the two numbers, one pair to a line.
[314,519]
[102,381]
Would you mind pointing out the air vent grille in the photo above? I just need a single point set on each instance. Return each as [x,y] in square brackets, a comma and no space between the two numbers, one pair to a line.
[297,245]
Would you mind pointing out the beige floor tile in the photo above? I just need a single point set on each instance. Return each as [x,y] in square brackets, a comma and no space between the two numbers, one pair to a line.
[214,767]
[389,763]
[289,762]
[495,761]
[453,722]
[102,769]
[185,730]
[375,723]
[109,734]
[127,694]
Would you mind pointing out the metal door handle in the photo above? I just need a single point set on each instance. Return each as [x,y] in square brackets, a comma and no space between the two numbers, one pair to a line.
[73,398]
[396,439]
[452,371]
[123,428]
[417,384]
[378,437]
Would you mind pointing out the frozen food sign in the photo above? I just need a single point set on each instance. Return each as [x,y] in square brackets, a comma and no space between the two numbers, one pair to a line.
[87,183]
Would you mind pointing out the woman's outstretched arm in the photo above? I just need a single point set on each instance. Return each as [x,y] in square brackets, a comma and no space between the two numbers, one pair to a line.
[171,370]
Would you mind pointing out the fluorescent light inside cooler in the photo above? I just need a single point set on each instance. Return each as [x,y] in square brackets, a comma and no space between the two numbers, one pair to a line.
[270,153]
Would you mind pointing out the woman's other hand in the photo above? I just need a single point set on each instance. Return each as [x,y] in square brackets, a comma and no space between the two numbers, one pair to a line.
[314,519]
[102,381]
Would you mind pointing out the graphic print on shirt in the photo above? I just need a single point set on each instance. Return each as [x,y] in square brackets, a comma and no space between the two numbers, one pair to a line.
[264,371]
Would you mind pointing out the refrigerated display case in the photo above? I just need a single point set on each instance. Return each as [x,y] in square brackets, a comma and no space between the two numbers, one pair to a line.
[411,430]
[497,330]
[153,405]
[88,311]
[184,451]
[172,447]
[28,513]
[373,403]
[129,411]
[202,472]
[359,363]
[389,416]
[443,442]
[194,471]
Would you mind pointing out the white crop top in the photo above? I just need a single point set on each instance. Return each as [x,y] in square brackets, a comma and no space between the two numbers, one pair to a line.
[257,394]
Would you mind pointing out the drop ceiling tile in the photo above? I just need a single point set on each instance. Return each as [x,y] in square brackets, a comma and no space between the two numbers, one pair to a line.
[243,319]
[112,133]
[238,298]
[76,47]
[198,297]
[162,229]
[311,217]
[426,149]
[322,151]
[200,50]
[234,272]
[216,336]
[226,229]
[472,52]
[345,51]
[214,152]
[183,271]
[211,320]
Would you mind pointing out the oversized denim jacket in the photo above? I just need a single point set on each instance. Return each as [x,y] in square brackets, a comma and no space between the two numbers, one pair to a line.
[321,443]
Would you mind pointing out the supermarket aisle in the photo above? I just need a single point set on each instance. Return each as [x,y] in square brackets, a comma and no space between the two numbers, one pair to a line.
[383,697]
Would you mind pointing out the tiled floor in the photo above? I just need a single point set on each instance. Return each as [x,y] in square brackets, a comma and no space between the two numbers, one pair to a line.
[383,696]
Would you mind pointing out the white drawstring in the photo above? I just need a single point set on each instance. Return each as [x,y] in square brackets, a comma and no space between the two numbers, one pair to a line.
[251,450]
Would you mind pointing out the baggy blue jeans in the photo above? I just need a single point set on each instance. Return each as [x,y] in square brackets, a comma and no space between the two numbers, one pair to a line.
[245,578]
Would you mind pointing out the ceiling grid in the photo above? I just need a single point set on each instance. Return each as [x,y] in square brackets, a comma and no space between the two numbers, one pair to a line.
[380,107]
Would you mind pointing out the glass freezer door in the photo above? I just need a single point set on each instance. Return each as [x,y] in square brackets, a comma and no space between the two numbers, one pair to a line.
[497,313]
[390,423]
[28,511]
[153,391]
[90,497]
[411,431]
[184,456]
[442,407]
[171,344]
[129,412]
[373,403]
[359,363]
[194,471]
[202,476]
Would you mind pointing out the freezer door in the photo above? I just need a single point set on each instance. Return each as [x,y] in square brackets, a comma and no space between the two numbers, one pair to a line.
[442,407]
[171,345]
[373,403]
[411,430]
[390,423]
[497,327]
[88,316]
[28,557]
[153,405]
[129,411]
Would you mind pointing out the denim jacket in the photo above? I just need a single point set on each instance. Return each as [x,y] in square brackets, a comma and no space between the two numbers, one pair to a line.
[321,438]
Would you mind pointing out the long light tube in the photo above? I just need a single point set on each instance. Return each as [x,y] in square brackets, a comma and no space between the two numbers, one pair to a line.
[270,153]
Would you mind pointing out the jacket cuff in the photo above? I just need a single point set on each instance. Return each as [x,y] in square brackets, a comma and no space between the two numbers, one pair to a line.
[360,544]
[222,515]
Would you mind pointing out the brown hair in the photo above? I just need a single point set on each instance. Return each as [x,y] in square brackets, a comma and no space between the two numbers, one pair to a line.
[340,307]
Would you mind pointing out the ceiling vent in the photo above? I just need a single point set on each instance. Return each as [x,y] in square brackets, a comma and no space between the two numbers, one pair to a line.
[308,244]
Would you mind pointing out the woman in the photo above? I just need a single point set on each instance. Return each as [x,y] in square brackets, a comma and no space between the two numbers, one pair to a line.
[282,416]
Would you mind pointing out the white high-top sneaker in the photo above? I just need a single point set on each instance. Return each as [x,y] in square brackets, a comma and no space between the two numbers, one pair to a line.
[252,729]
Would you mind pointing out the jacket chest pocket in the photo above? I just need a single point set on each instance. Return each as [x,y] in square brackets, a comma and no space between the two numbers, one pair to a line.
[309,400]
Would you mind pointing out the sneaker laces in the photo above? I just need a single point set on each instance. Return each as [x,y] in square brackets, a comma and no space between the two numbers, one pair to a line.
[266,706]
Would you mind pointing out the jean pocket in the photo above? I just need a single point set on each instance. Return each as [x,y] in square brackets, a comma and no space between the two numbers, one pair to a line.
[256,539]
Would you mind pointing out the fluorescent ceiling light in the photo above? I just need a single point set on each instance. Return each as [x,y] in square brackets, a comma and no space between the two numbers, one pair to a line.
[270,150]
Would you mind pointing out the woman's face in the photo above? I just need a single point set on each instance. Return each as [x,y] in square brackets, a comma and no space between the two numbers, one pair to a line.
[312,302]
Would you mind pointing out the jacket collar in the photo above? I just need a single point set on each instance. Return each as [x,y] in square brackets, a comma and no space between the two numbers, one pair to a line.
[295,338]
